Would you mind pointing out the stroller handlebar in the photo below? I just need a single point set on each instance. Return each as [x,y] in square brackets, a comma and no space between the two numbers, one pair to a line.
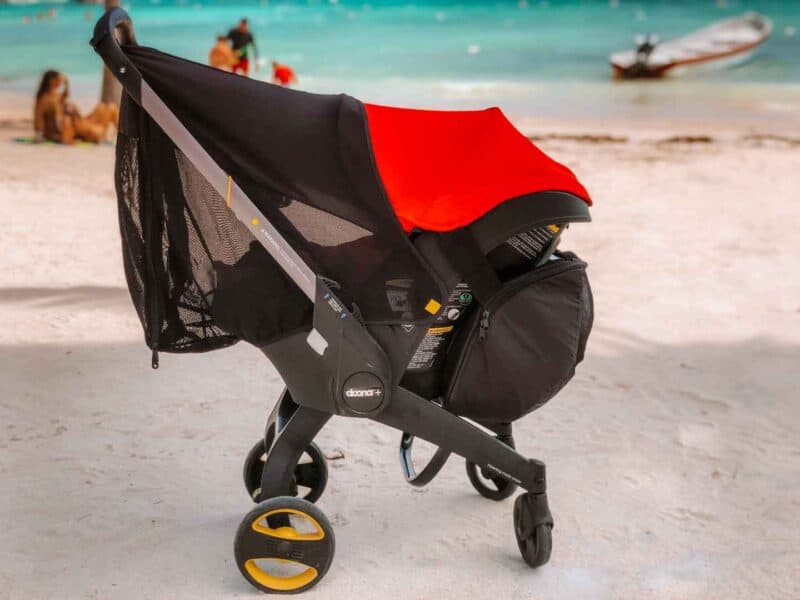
[114,18]
[115,27]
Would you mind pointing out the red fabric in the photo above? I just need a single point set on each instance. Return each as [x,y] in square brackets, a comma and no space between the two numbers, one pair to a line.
[283,74]
[243,66]
[444,169]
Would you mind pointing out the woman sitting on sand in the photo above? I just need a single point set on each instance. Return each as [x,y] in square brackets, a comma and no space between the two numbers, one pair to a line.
[57,120]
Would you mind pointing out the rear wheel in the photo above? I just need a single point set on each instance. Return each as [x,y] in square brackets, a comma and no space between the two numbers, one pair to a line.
[492,486]
[284,545]
[310,473]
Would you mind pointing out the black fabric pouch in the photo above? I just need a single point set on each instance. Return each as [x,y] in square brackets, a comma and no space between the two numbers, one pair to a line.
[522,346]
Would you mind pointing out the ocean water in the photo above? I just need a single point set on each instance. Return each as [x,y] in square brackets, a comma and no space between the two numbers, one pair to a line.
[543,58]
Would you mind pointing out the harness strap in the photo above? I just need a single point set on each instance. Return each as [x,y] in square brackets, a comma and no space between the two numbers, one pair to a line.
[464,253]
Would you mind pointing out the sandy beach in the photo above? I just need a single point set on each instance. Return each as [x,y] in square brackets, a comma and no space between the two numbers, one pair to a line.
[673,457]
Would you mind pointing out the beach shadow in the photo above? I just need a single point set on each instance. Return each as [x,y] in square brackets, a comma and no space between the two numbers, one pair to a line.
[153,440]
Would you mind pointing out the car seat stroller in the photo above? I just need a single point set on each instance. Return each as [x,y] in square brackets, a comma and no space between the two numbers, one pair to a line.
[393,264]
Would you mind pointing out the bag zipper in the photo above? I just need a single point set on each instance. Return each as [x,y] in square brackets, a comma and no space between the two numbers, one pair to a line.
[152,305]
[482,325]
[558,267]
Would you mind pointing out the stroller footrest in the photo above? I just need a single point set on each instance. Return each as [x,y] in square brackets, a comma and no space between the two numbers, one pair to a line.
[431,470]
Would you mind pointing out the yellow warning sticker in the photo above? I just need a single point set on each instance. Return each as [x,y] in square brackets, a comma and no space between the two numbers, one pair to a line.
[554,228]
[433,306]
[444,329]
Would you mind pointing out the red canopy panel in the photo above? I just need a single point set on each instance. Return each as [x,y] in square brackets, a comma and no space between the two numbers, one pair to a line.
[444,169]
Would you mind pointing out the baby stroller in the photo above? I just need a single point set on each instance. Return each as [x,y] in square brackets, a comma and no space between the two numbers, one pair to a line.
[393,264]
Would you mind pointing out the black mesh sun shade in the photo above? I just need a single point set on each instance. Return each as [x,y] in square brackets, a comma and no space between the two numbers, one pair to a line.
[304,160]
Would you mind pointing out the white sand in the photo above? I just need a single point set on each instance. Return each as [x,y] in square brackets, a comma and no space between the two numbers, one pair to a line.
[673,456]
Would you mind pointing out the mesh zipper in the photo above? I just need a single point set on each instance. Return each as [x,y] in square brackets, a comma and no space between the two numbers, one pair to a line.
[151,291]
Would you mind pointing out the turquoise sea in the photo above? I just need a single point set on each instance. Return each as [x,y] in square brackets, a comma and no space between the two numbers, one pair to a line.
[544,58]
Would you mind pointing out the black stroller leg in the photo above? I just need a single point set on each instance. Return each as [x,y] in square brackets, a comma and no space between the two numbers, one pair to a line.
[290,432]
[495,456]
[280,414]
[422,418]
[310,473]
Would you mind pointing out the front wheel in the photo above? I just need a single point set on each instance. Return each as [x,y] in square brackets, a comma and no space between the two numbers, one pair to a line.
[284,545]
[533,528]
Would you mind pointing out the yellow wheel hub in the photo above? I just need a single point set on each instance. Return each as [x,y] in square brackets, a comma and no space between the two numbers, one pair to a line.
[288,533]
[277,582]
[289,557]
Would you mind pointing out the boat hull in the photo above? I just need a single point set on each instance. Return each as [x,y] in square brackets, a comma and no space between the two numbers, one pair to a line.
[704,48]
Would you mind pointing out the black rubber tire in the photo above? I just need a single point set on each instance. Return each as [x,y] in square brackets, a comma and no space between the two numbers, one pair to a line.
[253,468]
[313,477]
[536,547]
[248,543]
[495,488]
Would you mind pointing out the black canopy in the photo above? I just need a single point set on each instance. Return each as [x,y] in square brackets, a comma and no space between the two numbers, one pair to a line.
[305,161]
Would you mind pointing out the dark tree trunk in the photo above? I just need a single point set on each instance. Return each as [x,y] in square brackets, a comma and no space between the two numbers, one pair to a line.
[111,90]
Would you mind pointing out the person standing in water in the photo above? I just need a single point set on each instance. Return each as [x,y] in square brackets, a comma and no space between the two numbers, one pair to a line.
[241,40]
[283,74]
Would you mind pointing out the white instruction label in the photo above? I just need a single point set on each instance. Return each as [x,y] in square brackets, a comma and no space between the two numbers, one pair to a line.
[431,350]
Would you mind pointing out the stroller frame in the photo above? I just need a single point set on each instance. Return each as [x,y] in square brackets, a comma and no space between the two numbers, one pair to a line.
[339,349]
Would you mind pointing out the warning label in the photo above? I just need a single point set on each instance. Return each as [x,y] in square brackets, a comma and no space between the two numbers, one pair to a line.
[445,329]
[457,303]
[427,353]
[431,350]
[531,243]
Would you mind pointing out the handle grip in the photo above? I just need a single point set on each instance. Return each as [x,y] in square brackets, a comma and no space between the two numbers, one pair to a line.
[115,27]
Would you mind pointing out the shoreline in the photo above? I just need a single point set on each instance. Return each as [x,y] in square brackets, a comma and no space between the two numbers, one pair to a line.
[549,132]
[575,109]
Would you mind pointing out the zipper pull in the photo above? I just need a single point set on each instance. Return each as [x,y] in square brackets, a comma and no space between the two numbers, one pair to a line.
[484,327]
[154,359]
